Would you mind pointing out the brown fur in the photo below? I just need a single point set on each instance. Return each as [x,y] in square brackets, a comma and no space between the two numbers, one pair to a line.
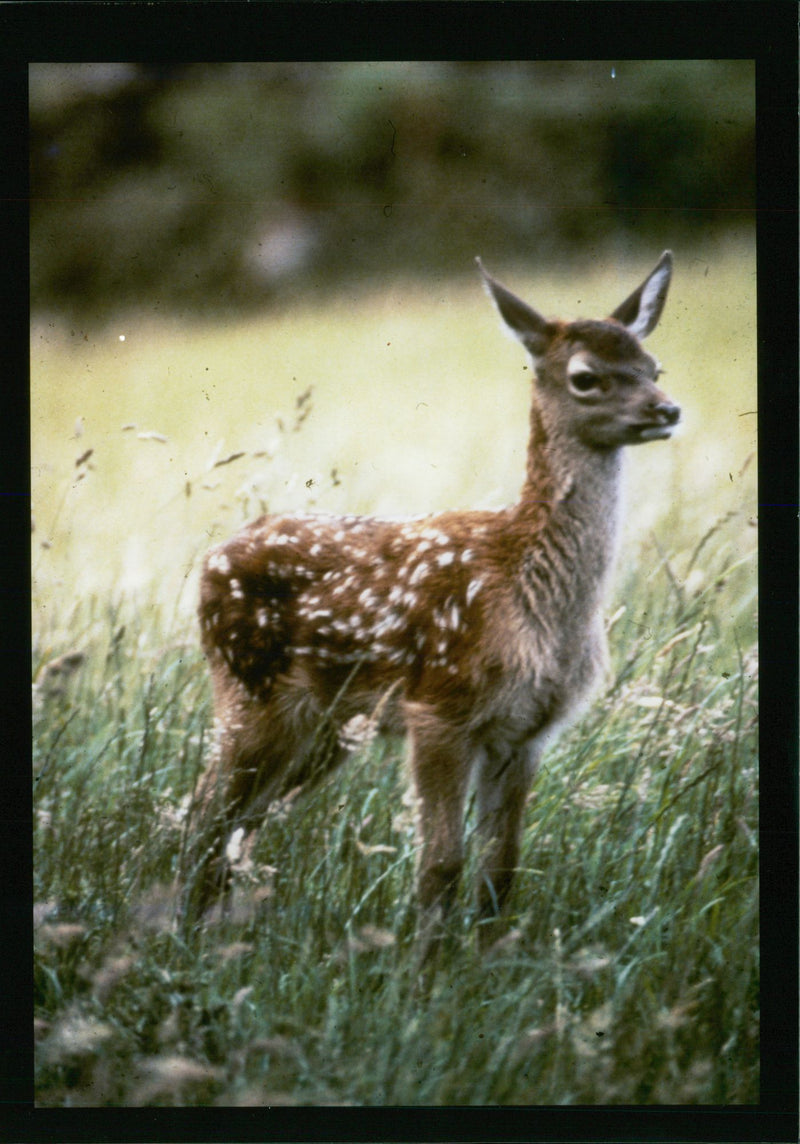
[483,629]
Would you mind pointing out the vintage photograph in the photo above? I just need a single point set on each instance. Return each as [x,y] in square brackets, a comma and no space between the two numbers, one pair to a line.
[394,449]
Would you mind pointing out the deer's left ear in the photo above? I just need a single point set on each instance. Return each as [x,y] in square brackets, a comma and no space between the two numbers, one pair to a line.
[641,311]
[526,325]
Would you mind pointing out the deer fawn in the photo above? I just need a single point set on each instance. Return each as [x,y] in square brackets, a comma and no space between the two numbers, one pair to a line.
[479,633]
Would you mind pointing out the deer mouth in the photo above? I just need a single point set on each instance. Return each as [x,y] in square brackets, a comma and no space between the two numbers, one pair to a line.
[660,422]
[650,432]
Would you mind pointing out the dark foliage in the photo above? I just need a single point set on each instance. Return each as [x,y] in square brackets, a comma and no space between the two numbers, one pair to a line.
[220,187]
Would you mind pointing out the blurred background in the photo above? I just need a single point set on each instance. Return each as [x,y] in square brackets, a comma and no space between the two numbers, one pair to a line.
[253,288]
[223,188]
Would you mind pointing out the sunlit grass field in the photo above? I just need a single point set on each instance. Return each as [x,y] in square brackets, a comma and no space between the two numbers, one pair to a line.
[631,973]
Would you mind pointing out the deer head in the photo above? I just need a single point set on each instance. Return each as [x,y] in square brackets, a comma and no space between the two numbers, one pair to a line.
[595,381]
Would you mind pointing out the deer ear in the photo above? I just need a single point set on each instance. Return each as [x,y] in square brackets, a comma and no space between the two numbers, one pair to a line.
[641,311]
[530,328]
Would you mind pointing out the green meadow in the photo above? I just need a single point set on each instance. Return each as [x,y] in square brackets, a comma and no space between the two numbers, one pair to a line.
[631,972]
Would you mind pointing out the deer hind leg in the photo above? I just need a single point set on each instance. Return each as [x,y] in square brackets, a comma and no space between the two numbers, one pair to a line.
[262,749]
[241,763]
[441,762]
[504,778]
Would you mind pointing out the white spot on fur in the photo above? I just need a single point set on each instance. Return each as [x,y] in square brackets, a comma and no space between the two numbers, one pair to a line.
[219,562]
[419,573]
[473,589]
[393,623]
[435,534]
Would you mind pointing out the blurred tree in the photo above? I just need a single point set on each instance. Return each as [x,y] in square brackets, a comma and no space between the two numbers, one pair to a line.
[222,186]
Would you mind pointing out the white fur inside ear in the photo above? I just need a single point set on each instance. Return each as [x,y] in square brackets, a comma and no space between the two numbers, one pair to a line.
[650,304]
[521,337]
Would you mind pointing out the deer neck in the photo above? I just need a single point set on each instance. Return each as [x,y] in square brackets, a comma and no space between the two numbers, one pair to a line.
[568,514]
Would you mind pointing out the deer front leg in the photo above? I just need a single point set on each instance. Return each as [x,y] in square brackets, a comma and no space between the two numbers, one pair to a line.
[440,764]
[504,779]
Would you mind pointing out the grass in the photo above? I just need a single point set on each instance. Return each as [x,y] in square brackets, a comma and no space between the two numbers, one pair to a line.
[631,971]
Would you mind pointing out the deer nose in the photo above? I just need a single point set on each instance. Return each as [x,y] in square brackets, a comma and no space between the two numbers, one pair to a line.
[669,412]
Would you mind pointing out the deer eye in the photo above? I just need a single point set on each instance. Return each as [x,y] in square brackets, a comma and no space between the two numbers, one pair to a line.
[585,381]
